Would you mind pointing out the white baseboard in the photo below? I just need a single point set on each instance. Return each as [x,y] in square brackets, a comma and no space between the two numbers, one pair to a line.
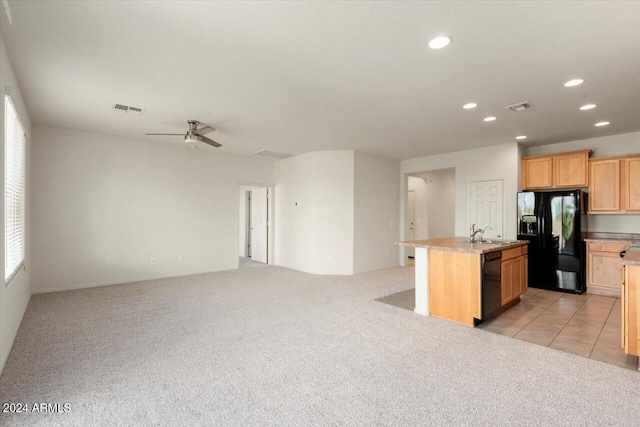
[420,312]
[120,282]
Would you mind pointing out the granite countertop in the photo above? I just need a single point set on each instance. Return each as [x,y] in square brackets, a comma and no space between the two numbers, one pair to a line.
[461,244]
[630,238]
[632,257]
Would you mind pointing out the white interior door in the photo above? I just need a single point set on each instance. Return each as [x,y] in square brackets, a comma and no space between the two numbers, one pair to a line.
[411,218]
[486,206]
[259,229]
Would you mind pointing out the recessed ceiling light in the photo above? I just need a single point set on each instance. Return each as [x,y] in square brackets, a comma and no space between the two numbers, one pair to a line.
[521,137]
[440,42]
[489,119]
[588,107]
[469,105]
[602,124]
[574,82]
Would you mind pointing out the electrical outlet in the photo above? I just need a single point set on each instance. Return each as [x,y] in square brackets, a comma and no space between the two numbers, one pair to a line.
[180,258]
[153,261]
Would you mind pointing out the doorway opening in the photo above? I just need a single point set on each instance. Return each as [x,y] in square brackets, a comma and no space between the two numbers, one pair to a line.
[253,236]
[430,212]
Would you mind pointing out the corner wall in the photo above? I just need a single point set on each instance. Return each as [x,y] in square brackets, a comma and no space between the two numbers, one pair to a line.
[14,296]
[376,206]
[104,206]
[314,212]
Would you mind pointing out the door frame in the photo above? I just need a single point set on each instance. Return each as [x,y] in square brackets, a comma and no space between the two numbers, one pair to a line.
[270,219]
[412,223]
[504,206]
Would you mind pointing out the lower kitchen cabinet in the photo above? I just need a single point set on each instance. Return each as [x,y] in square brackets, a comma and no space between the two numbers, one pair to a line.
[604,268]
[514,274]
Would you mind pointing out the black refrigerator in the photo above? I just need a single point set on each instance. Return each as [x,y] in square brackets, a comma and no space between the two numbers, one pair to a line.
[553,223]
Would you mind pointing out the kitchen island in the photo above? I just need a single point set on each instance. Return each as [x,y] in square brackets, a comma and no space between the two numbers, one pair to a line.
[453,277]
[631,302]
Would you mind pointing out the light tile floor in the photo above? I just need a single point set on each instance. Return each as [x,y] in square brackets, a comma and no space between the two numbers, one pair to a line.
[587,325]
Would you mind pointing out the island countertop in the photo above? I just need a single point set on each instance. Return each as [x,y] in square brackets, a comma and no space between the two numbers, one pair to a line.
[632,257]
[461,244]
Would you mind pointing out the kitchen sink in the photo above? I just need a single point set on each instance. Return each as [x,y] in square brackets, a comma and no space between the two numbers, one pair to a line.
[499,242]
[490,242]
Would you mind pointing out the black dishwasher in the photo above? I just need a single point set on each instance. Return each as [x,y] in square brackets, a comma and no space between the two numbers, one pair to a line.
[491,286]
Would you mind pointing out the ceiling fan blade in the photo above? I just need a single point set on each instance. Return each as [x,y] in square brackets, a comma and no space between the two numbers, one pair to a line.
[173,134]
[205,130]
[210,142]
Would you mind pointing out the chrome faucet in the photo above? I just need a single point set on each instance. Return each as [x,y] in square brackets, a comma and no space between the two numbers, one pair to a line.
[474,232]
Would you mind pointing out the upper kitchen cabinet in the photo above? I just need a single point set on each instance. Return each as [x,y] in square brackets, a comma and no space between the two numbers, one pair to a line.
[571,169]
[537,172]
[560,170]
[631,184]
[614,185]
[604,186]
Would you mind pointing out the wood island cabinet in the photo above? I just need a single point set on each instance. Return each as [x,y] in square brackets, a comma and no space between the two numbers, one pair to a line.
[614,185]
[514,274]
[630,331]
[563,170]
[466,282]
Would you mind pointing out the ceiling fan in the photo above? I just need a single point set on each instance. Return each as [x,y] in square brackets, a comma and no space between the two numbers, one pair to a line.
[195,135]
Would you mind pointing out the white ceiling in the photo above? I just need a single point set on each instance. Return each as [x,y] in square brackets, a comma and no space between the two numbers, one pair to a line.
[295,77]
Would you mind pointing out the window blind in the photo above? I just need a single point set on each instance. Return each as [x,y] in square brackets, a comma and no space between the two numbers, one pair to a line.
[14,197]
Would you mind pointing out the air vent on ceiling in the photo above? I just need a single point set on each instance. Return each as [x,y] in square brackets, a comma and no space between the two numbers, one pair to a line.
[518,107]
[127,109]
[271,154]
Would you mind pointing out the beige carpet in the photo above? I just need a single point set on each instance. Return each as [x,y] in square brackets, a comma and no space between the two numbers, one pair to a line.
[271,346]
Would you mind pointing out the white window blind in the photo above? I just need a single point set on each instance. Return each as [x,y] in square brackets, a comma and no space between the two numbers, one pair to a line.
[14,169]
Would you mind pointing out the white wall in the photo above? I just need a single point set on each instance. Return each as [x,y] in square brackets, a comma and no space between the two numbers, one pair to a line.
[14,296]
[314,212]
[495,162]
[441,203]
[615,145]
[242,218]
[103,206]
[376,205]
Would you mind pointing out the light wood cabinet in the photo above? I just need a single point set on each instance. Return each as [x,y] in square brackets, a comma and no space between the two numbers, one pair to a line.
[614,185]
[631,184]
[630,313]
[571,169]
[514,274]
[604,268]
[455,282]
[455,286]
[604,185]
[537,172]
[556,171]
